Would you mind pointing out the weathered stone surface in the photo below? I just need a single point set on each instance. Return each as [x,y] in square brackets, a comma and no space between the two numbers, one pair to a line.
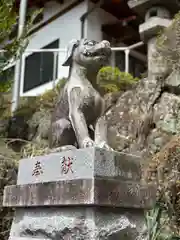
[167,112]
[77,223]
[84,164]
[144,119]
[110,99]
[4,126]
[18,127]
[130,120]
[152,27]
[172,82]
[141,6]
[101,192]
[39,125]
[111,180]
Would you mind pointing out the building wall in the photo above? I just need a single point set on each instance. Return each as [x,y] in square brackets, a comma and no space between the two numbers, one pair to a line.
[64,28]
[94,22]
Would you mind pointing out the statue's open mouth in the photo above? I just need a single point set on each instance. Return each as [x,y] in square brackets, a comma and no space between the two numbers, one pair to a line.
[99,53]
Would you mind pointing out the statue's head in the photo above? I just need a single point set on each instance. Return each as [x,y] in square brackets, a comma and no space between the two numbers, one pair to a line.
[88,53]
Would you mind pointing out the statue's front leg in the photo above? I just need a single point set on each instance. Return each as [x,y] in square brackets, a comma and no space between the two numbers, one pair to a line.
[101,133]
[78,120]
[80,128]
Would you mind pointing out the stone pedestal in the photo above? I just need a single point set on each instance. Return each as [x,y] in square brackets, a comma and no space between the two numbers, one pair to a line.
[79,194]
[157,15]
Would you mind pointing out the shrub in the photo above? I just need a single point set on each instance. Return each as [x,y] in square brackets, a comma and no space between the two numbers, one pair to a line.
[8,172]
[28,105]
[5,86]
[111,79]
[49,98]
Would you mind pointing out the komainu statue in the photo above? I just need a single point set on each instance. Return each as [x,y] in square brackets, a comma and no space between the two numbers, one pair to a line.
[79,110]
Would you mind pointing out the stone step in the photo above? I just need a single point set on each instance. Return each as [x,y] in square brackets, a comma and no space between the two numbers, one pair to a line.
[84,192]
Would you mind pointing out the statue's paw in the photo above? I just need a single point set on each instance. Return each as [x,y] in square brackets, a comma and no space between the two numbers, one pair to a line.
[104,145]
[62,149]
[88,142]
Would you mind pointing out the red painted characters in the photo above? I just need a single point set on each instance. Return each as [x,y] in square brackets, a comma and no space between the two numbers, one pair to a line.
[66,165]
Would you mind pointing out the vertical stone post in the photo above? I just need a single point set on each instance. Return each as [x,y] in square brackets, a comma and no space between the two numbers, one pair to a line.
[157,16]
[156,19]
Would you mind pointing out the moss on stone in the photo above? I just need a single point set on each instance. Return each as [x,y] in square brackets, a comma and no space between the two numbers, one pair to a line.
[168,43]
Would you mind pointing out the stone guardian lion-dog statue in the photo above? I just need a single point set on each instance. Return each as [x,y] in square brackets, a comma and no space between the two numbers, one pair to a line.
[79,105]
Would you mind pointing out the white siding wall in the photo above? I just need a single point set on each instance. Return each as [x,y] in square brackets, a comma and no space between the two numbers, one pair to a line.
[65,28]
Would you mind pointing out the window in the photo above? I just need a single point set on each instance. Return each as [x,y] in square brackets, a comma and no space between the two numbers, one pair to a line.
[136,67]
[120,60]
[39,68]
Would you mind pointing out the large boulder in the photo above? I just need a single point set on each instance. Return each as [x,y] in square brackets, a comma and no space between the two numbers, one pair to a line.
[39,125]
[145,118]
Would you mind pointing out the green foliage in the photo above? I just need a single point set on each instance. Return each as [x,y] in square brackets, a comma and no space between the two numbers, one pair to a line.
[111,79]
[157,227]
[8,21]
[61,84]
[163,170]
[29,105]
[5,86]
[49,98]
[8,170]
[153,223]
[14,49]
[5,98]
